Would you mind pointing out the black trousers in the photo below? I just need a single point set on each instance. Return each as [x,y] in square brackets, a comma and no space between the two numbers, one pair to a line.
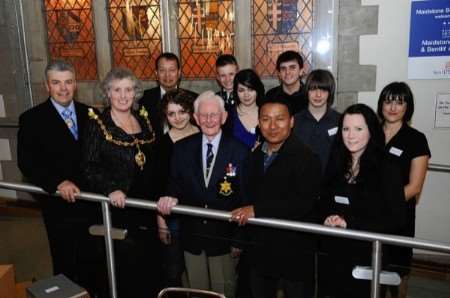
[138,264]
[72,250]
[172,261]
[267,286]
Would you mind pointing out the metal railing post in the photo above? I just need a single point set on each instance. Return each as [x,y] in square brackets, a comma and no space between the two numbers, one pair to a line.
[109,249]
[377,239]
[376,268]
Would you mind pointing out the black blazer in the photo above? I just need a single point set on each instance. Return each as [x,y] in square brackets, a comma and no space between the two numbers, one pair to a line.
[375,204]
[48,154]
[151,100]
[287,190]
[186,183]
[109,167]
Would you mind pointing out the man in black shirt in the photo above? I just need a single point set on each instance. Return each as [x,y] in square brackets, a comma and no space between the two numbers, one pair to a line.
[290,71]
[168,74]
[283,183]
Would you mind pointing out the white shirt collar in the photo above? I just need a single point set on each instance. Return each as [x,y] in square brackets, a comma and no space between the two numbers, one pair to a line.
[215,141]
[60,108]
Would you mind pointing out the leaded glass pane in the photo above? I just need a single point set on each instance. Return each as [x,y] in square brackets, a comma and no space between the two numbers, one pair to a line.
[135,27]
[280,25]
[70,35]
[205,31]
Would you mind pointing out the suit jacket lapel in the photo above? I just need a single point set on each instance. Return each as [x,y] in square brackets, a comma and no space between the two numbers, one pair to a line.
[198,163]
[57,120]
[81,118]
[220,162]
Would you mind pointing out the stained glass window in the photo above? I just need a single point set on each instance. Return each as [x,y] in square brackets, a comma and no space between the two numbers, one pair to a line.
[205,30]
[136,35]
[278,26]
[70,35]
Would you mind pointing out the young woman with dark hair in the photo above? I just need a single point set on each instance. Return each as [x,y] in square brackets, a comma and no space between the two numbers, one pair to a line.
[361,191]
[408,148]
[242,122]
[177,112]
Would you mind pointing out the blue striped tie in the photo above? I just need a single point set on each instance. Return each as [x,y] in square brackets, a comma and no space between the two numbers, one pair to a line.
[209,158]
[70,122]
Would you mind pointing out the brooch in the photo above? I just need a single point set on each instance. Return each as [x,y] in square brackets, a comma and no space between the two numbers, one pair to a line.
[225,187]
[230,170]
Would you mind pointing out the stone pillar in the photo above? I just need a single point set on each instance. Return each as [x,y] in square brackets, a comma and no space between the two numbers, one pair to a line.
[354,20]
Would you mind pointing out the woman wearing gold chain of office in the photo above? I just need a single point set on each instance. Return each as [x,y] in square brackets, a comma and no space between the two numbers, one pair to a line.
[118,161]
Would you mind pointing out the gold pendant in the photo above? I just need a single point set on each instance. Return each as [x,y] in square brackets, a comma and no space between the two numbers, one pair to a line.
[140,159]
[225,188]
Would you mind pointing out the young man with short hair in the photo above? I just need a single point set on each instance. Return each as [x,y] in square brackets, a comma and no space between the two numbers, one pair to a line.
[226,69]
[290,69]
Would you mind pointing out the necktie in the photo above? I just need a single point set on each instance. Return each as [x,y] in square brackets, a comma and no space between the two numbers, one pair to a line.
[209,158]
[70,122]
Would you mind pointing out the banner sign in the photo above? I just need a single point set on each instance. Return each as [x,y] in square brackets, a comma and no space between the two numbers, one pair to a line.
[429,40]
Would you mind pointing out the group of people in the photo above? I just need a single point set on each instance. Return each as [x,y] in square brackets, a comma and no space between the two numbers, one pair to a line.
[284,154]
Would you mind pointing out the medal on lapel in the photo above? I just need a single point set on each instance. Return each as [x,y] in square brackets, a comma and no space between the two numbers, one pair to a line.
[230,170]
[225,187]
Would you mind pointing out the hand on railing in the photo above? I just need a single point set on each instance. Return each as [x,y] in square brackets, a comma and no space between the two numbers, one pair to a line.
[68,190]
[242,215]
[118,198]
[165,204]
[335,221]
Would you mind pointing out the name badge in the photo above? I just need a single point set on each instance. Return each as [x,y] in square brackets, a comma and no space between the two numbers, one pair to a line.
[341,200]
[395,151]
[332,131]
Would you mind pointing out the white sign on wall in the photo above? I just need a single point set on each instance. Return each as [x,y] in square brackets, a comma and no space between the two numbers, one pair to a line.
[429,40]
[442,111]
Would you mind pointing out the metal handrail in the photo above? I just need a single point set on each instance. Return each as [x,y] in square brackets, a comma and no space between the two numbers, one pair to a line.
[435,167]
[376,238]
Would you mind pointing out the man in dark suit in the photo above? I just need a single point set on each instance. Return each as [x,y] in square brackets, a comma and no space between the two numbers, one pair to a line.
[208,171]
[284,183]
[49,154]
[168,74]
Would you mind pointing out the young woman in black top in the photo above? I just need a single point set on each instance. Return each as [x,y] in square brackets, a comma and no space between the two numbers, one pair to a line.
[408,148]
[177,109]
[362,191]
